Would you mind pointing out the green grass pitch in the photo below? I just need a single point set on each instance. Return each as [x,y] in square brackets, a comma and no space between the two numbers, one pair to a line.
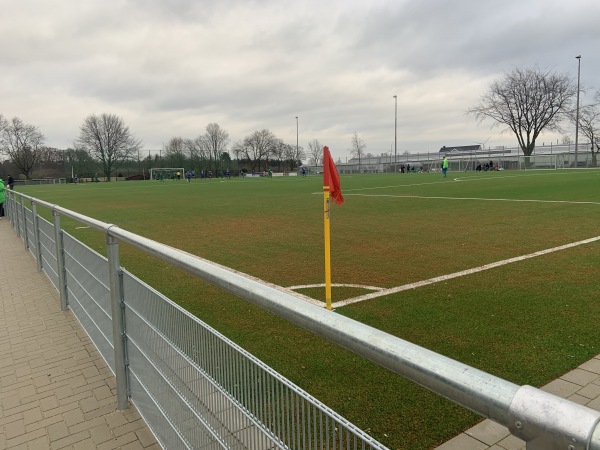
[529,321]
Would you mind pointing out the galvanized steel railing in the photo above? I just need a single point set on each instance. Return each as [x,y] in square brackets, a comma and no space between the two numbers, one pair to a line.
[194,387]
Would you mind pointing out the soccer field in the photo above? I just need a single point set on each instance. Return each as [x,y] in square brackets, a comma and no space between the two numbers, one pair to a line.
[498,270]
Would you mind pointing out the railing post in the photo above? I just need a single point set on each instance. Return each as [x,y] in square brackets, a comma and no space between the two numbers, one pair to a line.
[36,236]
[11,210]
[16,211]
[60,261]
[595,439]
[24,216]
[118,320]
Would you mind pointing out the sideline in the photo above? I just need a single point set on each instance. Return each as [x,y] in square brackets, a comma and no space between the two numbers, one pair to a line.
[460,179]
[474,198]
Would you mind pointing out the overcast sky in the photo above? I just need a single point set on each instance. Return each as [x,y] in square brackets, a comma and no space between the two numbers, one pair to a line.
[170,67]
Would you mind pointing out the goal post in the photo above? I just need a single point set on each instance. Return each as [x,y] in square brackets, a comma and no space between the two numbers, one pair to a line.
[168,173]
[539,162]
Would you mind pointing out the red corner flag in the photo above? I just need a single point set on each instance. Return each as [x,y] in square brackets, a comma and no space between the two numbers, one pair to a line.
[331,178]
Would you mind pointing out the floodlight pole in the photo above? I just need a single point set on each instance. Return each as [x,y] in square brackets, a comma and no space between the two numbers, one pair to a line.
[395,132]
[296,136]
[577,113]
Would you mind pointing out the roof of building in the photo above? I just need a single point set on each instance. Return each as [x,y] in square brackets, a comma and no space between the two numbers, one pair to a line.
[460,148]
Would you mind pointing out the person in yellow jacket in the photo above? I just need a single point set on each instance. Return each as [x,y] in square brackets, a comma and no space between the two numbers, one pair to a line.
[445,165]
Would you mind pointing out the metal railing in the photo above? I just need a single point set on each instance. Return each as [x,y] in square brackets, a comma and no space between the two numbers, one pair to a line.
[196,388]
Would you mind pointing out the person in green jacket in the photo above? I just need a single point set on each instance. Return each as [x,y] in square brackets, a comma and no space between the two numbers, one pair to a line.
[1,198]
[445,165]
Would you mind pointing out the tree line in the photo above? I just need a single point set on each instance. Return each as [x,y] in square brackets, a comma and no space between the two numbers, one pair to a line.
[106,145]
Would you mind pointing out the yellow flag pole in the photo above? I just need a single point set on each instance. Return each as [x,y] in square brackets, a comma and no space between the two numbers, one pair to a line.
[326,206]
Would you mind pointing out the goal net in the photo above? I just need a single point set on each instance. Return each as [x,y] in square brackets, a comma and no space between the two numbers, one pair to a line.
[166,173]
[539,162]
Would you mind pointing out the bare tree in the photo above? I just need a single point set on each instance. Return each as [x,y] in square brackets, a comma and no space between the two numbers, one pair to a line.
[358,148]
[22,143]
[194,152]
[293,156]
[175,152]
[256,148]
[527,101]
[78,161]
[108,140]
[566,139]
[589,125]
[315,152]
[214,143]
[278,151]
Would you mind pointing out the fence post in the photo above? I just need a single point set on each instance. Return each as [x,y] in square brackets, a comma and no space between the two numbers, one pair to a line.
[118,320]
[25,237]
[60,261]
[11,208]
[36,236]
[7,201]
[16,211]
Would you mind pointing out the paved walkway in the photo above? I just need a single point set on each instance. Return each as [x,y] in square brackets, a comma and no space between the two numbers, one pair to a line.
[56,392]
[581,385]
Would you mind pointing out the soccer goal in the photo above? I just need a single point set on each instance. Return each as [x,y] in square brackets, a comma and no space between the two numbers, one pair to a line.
[539,162]
[168,173]
[40,181]
[435,165]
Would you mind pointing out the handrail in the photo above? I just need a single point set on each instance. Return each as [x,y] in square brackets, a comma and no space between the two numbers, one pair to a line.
[543,420]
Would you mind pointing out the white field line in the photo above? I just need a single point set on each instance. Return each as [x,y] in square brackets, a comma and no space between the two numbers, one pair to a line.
[474,198]
[359,286]
[462,273]
[461,179]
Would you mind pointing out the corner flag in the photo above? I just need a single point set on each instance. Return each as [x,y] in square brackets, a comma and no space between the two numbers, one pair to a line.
[331,178]
[331,190]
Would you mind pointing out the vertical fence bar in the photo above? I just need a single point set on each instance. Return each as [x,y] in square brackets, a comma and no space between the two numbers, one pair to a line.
[11,208]
[7,204]
[36,236]
[24,216]
[60,261]
[18,225]
[118,320]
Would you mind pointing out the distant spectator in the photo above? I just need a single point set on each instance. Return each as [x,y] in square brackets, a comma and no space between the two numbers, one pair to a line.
[11,182]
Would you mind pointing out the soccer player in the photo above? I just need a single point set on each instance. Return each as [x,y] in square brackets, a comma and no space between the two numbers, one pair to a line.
[445,165]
